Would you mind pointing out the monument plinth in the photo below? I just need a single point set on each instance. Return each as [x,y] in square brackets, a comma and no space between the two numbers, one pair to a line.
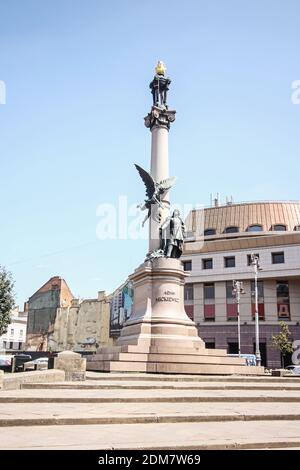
[159,318]
[159,336]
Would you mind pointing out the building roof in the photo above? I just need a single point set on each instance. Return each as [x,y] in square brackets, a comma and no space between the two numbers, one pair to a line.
[267,214]
[55,283]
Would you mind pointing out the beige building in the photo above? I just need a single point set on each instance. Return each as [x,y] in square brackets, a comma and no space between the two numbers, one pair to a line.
[83,326]
[57,321]
[221,254]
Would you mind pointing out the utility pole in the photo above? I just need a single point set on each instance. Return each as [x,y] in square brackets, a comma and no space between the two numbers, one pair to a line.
[237,290]
[256,267]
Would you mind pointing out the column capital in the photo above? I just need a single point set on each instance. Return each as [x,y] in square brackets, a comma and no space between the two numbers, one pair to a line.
[159,117]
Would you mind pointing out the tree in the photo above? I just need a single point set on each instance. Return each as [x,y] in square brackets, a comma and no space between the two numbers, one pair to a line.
[7,300]
[282,342]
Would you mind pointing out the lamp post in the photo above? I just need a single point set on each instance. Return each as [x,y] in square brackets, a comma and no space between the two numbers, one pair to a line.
[237,290]
[255,265]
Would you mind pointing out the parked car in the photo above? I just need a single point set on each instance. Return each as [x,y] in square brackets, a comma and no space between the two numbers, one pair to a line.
[295,370]
[39,363]
[20,359]
[5,362]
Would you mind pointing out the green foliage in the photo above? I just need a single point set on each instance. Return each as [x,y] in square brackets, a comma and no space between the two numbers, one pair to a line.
[282,341]
[7,301]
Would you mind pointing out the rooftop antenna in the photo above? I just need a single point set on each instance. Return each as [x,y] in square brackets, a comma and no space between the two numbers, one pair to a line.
[229,200]
[216,200]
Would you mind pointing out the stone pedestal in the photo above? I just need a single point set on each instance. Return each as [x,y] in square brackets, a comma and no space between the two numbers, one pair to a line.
[159,319]
[159,336]
[72,364]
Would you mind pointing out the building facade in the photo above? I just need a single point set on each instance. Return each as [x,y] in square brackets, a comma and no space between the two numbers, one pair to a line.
[82,327]
[222,253]
[43,306]
[15,337]
[57,321]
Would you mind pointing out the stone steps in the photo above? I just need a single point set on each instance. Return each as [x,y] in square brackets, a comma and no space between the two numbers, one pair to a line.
[160,436]
[63,413]
[144,411]
[81,395]
[138,349]
[161,386]
[120,377]
[144,419]
[165,358]
[172,367]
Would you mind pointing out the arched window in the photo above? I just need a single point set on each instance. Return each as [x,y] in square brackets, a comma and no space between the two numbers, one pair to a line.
[279,228]
[255,228]
[209,231]
[231,229]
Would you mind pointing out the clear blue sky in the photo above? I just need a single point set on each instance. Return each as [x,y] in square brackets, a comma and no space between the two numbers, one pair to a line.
[77,76]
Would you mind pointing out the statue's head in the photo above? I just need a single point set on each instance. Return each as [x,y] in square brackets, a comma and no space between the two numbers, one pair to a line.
[176,213]
[160,69]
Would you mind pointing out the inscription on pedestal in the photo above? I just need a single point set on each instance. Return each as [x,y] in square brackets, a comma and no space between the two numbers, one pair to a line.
[167,297]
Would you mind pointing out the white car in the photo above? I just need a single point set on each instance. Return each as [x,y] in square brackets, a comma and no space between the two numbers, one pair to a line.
[41,360]
[39,363]
[294,369]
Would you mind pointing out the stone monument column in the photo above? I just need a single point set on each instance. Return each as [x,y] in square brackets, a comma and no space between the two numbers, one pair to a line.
[159,336]
[158,120]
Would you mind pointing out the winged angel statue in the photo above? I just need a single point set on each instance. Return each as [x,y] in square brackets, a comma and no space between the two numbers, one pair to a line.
[154,191]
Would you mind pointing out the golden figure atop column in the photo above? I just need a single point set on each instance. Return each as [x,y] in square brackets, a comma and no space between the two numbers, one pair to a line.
[160,86]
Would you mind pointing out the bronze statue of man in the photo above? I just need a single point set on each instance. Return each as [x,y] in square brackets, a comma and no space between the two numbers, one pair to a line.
[173,235]
[160,85]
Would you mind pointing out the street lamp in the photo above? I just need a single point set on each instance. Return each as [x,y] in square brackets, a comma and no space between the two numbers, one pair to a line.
[255,265]
[237,290]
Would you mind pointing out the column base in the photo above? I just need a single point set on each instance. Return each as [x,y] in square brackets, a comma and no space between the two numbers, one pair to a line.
[159,337]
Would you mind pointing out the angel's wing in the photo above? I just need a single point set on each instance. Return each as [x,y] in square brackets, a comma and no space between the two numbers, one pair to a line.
[148,181]
[166,184]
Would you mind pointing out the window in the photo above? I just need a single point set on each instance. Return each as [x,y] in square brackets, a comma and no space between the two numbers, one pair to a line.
[249,261]
[209,231]
[279,227]
[209,302]
[4,344]
[229,261]
[297,228]
[189,310]
[231,229]
[20,346]
[229,290]
[231,306]
[260,295]
[255,228]
[209,291]
[189,292]
[283,300]
[278,257]
[21,333]
[233,348]
[11,345]
[210,345]
[12,331]
[187,265]
[207,263]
